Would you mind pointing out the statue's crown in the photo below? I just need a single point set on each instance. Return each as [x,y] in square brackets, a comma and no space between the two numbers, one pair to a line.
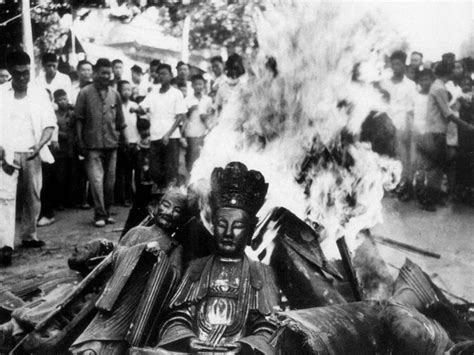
[237,187]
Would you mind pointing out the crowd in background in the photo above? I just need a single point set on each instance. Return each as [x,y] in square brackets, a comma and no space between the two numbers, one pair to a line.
[430,106]
[110,138]
[114,139]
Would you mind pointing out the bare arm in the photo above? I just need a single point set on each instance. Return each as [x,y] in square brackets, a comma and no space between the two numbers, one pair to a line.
[177,122]
[45,138]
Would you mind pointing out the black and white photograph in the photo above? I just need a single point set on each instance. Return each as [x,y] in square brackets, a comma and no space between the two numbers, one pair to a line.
[236,177]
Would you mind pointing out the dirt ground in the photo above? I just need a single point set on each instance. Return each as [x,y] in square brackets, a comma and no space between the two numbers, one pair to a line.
[71,228]
[447,232]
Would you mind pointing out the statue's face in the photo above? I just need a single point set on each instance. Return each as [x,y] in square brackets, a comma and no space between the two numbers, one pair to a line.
[233,227]
[169,212]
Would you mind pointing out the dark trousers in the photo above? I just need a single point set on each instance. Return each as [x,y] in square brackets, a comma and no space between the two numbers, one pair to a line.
[193,151]
[79,182]
[100,167]
[432,149]
[57,186]
[164,162]
[126,166]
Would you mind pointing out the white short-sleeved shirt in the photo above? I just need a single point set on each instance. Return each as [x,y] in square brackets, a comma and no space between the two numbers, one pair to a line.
[60,81]
[131,121]
[195,127]
[402,96]
[163,108]
[419,116]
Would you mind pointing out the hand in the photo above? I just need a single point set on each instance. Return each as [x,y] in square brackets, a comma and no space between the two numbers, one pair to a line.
[125,140]
[34,151]
[153,248]
[80,147]
[165,139]
[133,110]
[55,146]
[183,143]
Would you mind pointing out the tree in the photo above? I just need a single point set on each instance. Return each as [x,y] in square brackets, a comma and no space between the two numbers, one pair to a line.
[214,23]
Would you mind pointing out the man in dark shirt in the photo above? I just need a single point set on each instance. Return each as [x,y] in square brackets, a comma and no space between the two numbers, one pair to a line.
[99,121]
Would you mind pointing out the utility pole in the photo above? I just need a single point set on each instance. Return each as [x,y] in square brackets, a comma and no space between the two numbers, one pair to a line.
[28,33]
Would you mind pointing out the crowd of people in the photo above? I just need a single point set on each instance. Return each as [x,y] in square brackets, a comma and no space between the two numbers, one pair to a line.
[430,106]
[102,140]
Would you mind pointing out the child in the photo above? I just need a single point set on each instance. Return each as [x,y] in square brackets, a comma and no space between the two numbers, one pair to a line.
[57,189]
[127,155]
[196,125]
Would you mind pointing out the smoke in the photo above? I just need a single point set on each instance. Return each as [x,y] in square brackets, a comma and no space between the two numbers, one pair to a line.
[299,128]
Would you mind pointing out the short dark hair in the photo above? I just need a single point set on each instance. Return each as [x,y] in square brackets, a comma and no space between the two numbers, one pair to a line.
[82,63]
[400,55]
[197,77]
[17,58]
[180,64]
[102,63]
[165,66]
[443,69]
[418,53]
[59,93]
[121,84]
[217,58]
[155,63]
[137,69]
[235,59]
[448,55]
[117,61]
[48,58]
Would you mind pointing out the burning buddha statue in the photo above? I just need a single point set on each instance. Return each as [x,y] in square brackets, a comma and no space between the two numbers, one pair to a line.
[223,300]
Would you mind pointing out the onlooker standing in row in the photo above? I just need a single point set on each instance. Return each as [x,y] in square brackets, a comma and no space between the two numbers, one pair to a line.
[182,70]
[99,120]
[27,123]
[402,93]
[425,79]
[217,67]
[79,175]
[439,114]
[195,128]
[57,177]
[84,73]
[153,75]
[139,86]
[127,154]
[51,78]
[166,108]
[235,78]
[452,140]
[117,69]
[415,66]
[4,74]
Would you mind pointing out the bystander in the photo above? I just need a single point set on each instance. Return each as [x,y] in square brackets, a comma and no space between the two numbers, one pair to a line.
[27,122]
[99,119]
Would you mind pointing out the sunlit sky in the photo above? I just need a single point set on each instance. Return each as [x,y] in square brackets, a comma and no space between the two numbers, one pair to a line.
[432,27]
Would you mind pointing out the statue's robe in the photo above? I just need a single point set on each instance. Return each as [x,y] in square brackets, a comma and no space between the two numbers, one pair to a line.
[118,303]
[222,302]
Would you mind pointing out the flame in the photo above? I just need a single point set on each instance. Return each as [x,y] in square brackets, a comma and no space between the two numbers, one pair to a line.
[289,126]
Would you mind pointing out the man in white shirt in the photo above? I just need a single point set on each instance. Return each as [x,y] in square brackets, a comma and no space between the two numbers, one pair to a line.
[51,78]
[402,93]
[217,66]
[166,110]
[199,109]
[27,123]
